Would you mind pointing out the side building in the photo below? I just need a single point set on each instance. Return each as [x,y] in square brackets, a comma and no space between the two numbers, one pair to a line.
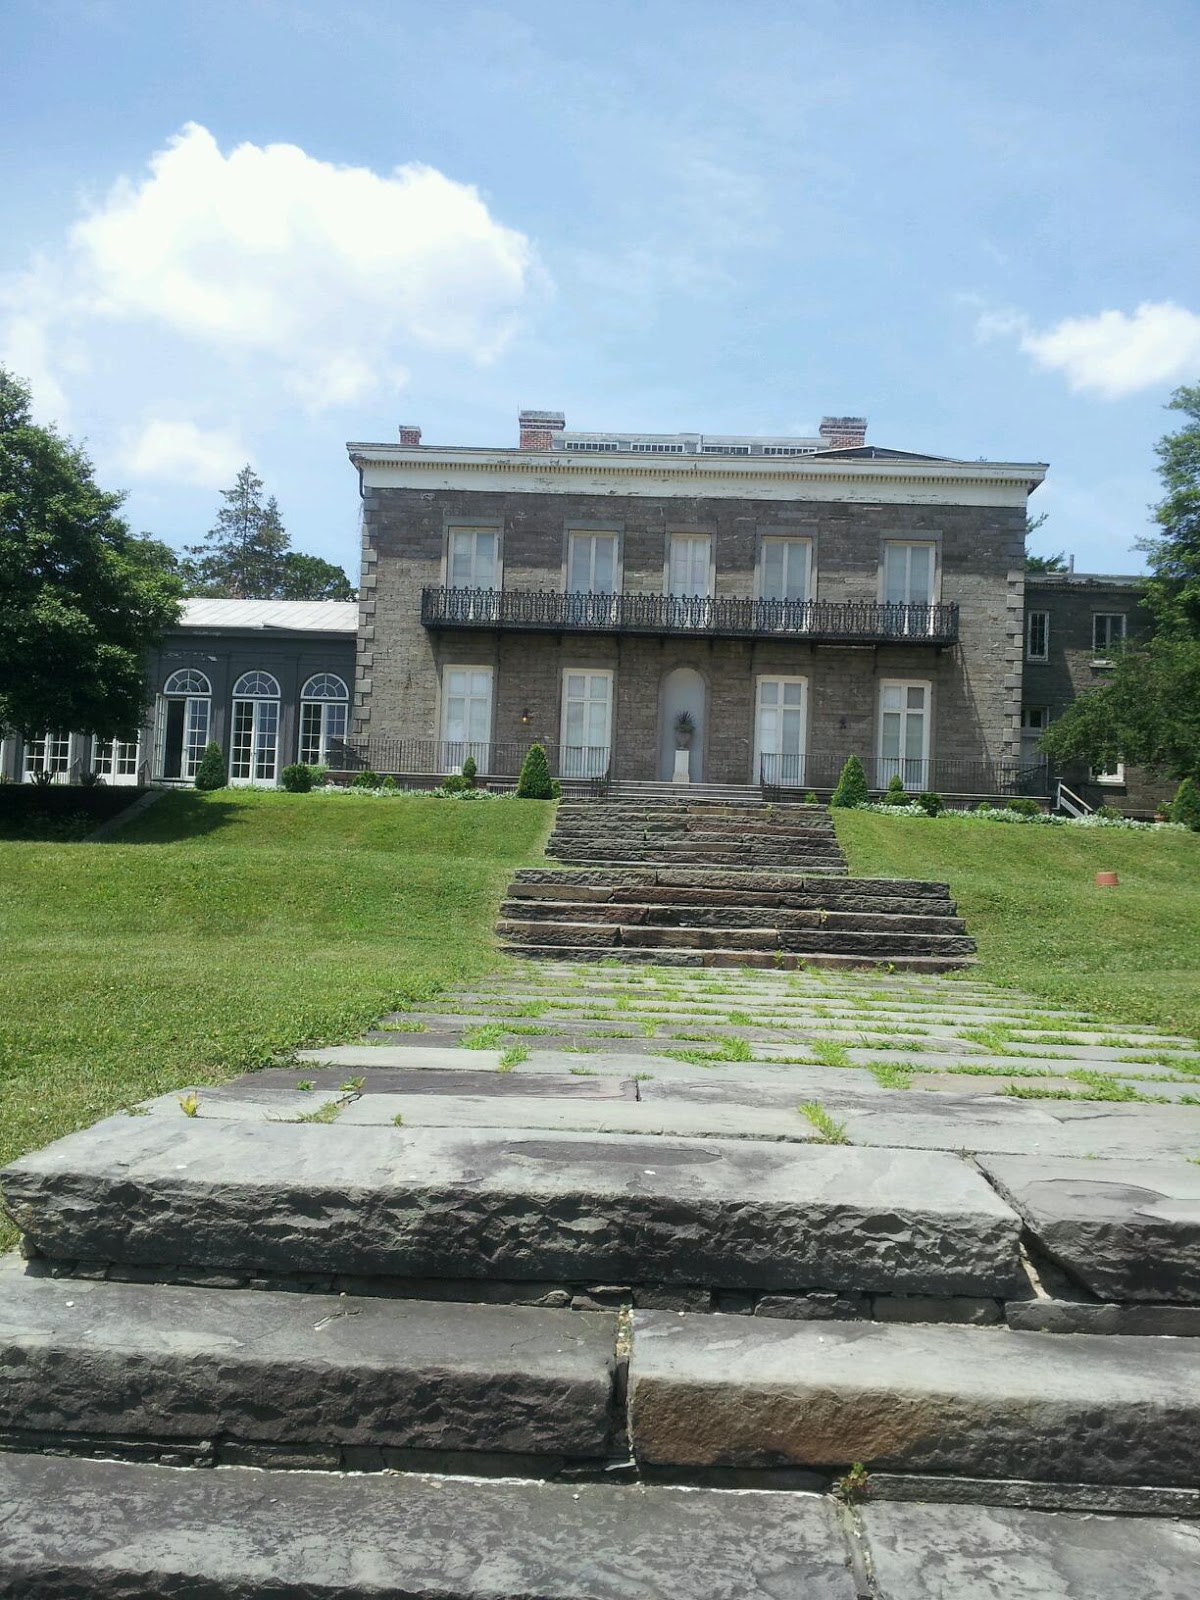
[266,680]
[770,605]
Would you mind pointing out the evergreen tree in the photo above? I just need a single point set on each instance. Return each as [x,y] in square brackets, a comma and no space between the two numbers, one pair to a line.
[242,557]
[82,599]
[210,774]
[309,578]
[1173,594]
[852,786]
[535,782]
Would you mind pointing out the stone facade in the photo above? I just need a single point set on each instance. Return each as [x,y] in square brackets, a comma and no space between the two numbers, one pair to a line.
[1066,660]
[847,504]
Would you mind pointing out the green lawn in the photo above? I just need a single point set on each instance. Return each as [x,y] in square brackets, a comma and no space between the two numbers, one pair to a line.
[225,928]
[1030,900]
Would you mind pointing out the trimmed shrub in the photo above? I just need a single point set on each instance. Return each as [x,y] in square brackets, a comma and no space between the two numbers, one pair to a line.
[931,804]
[455,783]
[366,780]
[1025,806]
[535,782]
[985,806]
[298,778]
[1110,813]
[470,771]
[211,774]
[852,786]
[389,785]
[896,794]
[1185,807]
[810,799]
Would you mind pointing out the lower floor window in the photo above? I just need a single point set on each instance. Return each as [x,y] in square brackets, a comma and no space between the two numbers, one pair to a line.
[466,716]
[49,752]
[903,733]
[321,722]
[115,759]
[1109,775]
[782,717]
[255,741]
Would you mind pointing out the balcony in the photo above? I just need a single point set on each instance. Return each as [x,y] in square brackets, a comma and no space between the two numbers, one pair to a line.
[809,621]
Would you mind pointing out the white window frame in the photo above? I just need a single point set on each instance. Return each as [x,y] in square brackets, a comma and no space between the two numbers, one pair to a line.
[1039,728]
[908,546]
[259,691]
[592,535]
[785,777]
[116,760]
[457,530]
[793,540]
[456,751]
[1030,653]
[37,755]
[1115,778]
[1098,658]
[585,760]
[683,536]
[325,707]
[888,766]
[193,688]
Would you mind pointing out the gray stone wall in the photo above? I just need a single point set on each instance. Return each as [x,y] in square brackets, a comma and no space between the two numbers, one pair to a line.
[1071,602]
[976,687]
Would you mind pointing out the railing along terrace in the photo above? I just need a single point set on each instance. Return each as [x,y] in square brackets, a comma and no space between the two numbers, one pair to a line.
[821,772]
[544,610]
[384,753]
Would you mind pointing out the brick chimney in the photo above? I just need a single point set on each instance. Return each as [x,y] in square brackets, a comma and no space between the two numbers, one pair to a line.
[410,434]
[843,433]
[539,427]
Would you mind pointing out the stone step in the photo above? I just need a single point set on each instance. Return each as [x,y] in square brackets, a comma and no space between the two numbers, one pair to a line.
[719,1391]
[107,1530]
[868,944]
[817,895]
[699,915]
[780,960]
[469,1203]
[174,1367]
[781,881]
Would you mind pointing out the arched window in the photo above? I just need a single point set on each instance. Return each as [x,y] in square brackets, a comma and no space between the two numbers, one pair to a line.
[254,752]
[256,686]
[324,710]
[183,721]
[187,681]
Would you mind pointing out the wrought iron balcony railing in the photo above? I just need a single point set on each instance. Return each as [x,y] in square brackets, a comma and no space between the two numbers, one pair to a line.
[547,611]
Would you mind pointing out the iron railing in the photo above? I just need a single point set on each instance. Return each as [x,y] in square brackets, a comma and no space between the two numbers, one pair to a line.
[821,772]
[547,611]
[386,754]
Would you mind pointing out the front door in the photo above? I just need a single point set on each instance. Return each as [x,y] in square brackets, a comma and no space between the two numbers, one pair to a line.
[466,717]
[903,734]
[586,723]
[782,716]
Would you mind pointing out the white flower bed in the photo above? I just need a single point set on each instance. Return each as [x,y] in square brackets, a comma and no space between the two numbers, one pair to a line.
[1043,818]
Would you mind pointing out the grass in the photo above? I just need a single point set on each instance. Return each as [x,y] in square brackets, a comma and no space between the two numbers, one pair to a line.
[1129,954]
[512,1057]
[829,1130]
[221,931]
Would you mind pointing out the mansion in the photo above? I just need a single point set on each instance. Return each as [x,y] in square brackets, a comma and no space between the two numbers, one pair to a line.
[711,609]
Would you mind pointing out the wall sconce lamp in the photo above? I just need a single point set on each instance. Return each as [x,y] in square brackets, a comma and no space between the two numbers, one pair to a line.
[525,719]
[843,722]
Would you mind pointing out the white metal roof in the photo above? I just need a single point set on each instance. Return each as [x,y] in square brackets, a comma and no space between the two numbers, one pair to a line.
[293,616]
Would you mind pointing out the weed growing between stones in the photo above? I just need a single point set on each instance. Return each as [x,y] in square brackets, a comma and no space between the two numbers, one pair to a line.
[854,1485]
[830,1131]
[329,1112]
[891,1074]
[398,1120]
[512,1057]
[305,1083]
[527,1030]
[489,1036]
[827,1053]
[402,1025]
[189,1104]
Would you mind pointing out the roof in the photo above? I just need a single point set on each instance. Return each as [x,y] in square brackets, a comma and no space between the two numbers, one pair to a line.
[283,616]
[1085,580]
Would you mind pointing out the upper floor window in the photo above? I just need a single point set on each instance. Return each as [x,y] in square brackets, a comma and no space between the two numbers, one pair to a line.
[1108,630]
[187,681]
[690,566]
[592,563]
[1037,635]
[256,686]
[908,570]
[785,564]
[473,558]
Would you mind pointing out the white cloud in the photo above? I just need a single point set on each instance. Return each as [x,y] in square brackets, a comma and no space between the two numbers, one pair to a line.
[1110,354]
[336,276]
[208,458]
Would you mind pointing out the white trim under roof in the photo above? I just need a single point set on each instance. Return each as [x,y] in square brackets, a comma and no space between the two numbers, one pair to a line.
[922,481]
[286,616]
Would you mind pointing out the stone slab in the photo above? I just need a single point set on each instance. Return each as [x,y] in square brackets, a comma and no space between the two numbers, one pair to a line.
[359,1056]
[111,1531]
[461,1203]
[716,1391]
[1127,1230]
[153,1362]
[947,1552]
[276,1089]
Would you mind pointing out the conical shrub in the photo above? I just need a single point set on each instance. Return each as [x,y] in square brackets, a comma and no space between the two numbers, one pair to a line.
[852,785]
[535,782]
[211,774]
[1185,807]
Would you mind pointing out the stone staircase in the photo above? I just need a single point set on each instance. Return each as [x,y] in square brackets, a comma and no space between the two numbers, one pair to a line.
[444,1322]
[687,882]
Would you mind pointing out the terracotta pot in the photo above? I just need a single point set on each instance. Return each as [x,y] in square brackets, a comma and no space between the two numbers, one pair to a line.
[1107,880]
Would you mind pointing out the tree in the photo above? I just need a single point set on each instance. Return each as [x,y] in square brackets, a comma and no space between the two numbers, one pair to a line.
[309,578]
[1148,712]
[81,598]
[852,786]
[535,782]
[1054,563]
[246,555]
[210,774]
[1173,593]
[242,555]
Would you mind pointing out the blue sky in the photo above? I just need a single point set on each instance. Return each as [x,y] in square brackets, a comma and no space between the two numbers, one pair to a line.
[255,230]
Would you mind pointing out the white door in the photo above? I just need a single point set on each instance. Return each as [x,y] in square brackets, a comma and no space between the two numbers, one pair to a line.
[903,734]
[782,719]
[586,723]
[115,760]
[690,566]
[466,717]
[255,741]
